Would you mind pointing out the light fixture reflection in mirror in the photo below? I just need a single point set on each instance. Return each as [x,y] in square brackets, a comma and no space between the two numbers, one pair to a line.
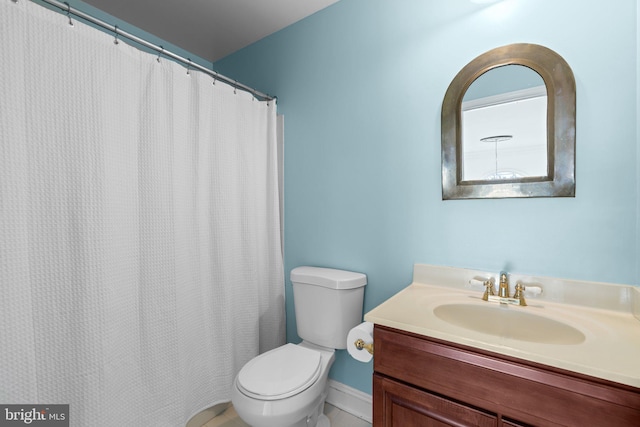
[498,172]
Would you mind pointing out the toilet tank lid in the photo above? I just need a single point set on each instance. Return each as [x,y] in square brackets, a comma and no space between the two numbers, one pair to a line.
[328,277]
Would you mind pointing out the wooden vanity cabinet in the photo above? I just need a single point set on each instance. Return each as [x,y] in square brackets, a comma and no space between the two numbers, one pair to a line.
[422,382]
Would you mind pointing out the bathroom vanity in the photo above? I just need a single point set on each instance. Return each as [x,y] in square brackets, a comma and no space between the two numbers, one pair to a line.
[420,381]
[432,369]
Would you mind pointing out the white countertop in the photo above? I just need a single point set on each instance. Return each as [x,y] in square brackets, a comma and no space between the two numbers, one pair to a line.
[610,350]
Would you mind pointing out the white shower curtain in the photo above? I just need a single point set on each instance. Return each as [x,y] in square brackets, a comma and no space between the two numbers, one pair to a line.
[140,258]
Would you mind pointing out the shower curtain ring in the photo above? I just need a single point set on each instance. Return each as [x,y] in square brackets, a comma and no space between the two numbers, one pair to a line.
[69,13]
[115,30]
[160,53]
[188,65]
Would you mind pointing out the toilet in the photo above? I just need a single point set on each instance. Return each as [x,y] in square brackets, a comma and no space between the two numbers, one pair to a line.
[287,386]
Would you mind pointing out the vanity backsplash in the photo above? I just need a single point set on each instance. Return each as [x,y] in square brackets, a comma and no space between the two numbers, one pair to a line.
[605,296]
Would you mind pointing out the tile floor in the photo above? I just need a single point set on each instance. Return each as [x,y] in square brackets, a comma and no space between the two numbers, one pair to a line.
[338,418]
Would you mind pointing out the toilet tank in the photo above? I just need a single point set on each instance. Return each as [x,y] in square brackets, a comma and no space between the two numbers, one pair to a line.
[328,303]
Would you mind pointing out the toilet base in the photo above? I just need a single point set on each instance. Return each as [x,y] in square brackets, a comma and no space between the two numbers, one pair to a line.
[323,421]
[315,418]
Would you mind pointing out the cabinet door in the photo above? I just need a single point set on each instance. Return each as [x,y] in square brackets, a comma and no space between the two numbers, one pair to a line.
[399,405]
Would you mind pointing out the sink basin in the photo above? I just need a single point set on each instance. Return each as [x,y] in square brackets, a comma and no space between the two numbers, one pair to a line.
[509,322]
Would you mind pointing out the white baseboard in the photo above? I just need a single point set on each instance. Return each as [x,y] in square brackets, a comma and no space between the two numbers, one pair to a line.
[350,400]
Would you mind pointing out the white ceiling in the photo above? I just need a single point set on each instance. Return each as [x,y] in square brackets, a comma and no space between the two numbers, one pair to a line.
[210,29]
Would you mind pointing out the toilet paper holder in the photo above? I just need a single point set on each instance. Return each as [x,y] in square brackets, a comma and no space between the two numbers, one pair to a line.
[360,344]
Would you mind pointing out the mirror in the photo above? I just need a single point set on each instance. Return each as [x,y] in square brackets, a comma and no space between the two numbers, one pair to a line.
[508,126]
[504,125]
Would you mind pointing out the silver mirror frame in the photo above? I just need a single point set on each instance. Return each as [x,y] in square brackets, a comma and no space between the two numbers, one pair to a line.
[561,127]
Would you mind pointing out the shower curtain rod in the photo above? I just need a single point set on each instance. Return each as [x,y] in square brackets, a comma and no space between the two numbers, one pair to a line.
[65,7]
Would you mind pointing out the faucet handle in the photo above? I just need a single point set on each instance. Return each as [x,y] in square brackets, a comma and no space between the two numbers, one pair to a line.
[479,282]
[520,290]
[519,294]
[488,291]
[533,289]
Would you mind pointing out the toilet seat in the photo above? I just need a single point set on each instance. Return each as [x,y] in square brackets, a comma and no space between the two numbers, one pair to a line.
[280,373]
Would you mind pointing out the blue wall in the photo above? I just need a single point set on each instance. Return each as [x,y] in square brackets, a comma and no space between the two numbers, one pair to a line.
[361,84]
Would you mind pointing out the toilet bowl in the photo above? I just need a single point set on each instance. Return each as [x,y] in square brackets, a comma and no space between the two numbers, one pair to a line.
[287,386]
